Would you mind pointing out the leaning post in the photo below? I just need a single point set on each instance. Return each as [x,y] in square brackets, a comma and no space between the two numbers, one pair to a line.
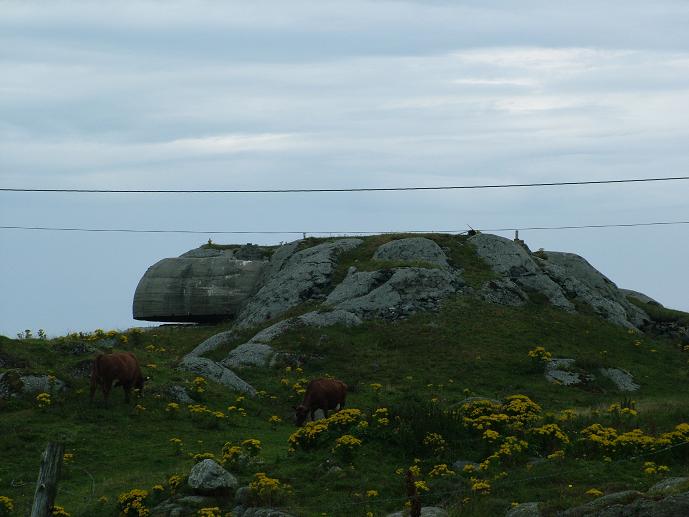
[48,476]
[413,495]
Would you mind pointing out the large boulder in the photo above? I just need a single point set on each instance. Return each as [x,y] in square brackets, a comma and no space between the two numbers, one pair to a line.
[208,477]
[524,510]
[217,373]
[503,291]
[13,384]
[414,249]
[257,352]
[212,343]
[240,511]
[560,277]
[632,503]
[511,260]
[426,511]
[580,279]
[644,298]
[395,292]
[621,378]
[201,285]
[293,277]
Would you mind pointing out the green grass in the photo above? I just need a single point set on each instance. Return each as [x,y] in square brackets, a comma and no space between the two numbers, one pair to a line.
[468,348]
[460,254]
[661,314]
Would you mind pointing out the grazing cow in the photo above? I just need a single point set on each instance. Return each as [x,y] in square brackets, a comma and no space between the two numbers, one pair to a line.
[322,394]
[121,367]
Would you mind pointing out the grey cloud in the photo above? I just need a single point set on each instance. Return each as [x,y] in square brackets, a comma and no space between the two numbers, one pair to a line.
[257,95]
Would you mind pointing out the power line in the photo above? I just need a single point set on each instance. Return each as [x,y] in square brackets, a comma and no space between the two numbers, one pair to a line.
[314,233]
[312,190]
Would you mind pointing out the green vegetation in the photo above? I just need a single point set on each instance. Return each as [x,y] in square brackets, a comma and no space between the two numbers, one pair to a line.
[661,314]
[465,383]
[459,252]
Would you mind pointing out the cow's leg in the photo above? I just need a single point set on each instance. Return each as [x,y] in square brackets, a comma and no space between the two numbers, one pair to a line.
[93,390]
[105,386]
[127,390]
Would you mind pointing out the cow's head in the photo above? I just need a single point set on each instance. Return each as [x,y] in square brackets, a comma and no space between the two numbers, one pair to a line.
[139,384]
[300,414]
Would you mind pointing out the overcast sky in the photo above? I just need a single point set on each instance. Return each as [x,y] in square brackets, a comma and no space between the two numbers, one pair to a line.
[310,94]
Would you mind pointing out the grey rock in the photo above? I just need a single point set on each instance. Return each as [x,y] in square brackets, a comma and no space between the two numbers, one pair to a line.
[168,508]
[524,510]
[458,466]
[179,394]
[294,278]
[329,319]
[10,384]
[249,354]
[269,333]
[218,373]
[256,352]
[669,486]
[503,291]
[196,288]
[412,249]
[259,512]
[242,495]
[250,252]
[559,371]
[207,253]
[357,284]
[671,506]
[209,477]
[640,296]
[426,511]
[599,505]
[334,471]
[105,343]
[41,383]
[408,290]
[75,348]
[82,370]
[508,259]
[212,343]
[280,257]
[622,378]
[579,278]
[196,500]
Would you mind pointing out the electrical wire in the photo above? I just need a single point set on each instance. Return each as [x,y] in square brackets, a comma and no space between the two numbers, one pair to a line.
[357,189]
[315,233]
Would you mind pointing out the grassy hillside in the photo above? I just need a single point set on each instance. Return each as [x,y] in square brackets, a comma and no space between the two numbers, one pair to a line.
[425,366]
[417,383]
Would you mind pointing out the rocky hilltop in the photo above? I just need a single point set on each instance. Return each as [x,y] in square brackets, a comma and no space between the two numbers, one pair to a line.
[353,280]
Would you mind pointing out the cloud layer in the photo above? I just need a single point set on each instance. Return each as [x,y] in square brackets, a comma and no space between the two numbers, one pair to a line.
[325,94]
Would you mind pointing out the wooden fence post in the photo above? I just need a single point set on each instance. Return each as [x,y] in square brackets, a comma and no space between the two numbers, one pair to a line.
[413,496]
[48,476]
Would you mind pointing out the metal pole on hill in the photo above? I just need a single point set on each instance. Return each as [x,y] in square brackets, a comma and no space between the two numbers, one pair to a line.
[48,476]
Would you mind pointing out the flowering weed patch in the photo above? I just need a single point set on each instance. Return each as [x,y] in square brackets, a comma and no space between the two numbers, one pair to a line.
[133,503]
[6,506]
[267,491]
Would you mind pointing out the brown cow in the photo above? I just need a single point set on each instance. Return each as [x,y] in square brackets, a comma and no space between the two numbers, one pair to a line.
[322,394]
[122,367]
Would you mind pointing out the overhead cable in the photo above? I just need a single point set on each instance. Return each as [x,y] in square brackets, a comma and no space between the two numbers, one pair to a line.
[313,190]
[355,232]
